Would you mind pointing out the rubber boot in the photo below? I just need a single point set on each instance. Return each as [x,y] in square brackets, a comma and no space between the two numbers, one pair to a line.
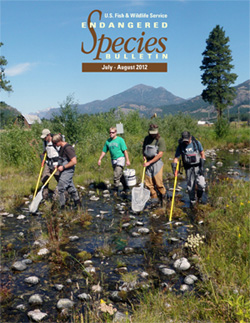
[199,195]
[192,204]
[78,204]
[45,193]
[163,200]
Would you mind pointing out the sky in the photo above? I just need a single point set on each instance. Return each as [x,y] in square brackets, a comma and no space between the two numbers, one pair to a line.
[42,44]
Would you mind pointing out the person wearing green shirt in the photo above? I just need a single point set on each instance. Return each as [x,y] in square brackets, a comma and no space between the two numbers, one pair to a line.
[119,157]
[153,148]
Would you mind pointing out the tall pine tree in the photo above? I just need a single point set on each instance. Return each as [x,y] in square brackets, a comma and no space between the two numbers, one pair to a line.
[4,84]
[216,65]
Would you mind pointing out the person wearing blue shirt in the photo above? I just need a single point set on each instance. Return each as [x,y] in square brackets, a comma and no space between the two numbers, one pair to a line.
[193,157]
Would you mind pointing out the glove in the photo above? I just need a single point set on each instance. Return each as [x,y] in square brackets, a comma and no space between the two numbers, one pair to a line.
[174,165]
[202,163]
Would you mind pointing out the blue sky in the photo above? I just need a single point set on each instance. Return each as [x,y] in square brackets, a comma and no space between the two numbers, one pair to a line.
[42,43]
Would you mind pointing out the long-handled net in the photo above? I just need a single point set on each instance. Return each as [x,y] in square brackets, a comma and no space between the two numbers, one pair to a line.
[36,201]
[140,195]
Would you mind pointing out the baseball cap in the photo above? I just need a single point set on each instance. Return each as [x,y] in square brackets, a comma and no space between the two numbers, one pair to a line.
[153,129]
[185,136]
[45,133]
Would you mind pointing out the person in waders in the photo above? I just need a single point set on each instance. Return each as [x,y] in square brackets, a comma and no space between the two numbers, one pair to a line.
[119,157]
[66,167]
[193,157]
[153,149]
[51,160]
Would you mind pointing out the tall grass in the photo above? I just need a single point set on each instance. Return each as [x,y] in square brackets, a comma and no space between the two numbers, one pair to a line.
[223,294]
[20,148]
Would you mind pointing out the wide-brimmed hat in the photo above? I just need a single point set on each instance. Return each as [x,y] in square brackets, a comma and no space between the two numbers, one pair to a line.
[45,133]
[153,129]
[185,136]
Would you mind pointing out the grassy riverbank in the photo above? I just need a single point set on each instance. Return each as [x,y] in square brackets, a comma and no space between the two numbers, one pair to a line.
[20,148]
[223,261]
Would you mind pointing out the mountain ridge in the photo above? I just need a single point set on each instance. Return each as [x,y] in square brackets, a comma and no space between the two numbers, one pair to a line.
[148,100]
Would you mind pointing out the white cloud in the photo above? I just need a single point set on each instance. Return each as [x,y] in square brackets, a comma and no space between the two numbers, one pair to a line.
[19,69]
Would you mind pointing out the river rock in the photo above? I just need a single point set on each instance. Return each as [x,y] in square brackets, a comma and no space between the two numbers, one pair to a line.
[167,271]
[96,288]
[64,303]
[190,279]
[127,287]
[35,299]
[90,270]
[182,264]
[120,317]
[135,234]
[84,297]
[88,263]
[4,213]
[33,280]
[143,230]
[139,223]
[126,225]
[94,198]
[40,243]
[21,217]
[43,252]
[19,266]
[27,261]
[144,274]
[129,250]
[21,307]
[37,315]
[104,212]
[173,239]
[4,269]
[59,287]
[73,238]
[184,288]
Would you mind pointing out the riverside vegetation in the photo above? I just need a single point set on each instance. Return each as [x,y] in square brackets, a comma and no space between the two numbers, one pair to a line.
[222,256]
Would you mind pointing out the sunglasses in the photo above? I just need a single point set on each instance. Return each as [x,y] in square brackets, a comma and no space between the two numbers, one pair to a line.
[112,132]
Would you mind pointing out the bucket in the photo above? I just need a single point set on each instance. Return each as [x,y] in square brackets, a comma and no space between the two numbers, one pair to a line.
[130,178]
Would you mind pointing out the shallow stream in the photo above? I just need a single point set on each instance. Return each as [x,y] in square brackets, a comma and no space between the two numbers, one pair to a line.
[116,245]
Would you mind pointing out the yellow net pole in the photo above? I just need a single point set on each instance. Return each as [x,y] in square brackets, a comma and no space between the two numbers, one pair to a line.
[40,174]
[175,182]
[143,173]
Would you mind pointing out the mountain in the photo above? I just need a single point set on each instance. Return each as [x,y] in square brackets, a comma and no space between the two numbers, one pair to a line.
[149,100]
[141,97]
[199,108]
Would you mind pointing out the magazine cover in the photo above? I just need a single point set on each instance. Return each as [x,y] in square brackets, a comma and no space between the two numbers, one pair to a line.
[124,138]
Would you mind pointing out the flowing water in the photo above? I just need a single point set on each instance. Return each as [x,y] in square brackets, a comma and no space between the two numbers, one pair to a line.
[114,243]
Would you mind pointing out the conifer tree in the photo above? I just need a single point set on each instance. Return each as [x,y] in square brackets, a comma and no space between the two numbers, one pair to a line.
[4,84]
[216,65]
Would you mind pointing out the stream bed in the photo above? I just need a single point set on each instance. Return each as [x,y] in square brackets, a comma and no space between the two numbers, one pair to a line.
[115,257]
